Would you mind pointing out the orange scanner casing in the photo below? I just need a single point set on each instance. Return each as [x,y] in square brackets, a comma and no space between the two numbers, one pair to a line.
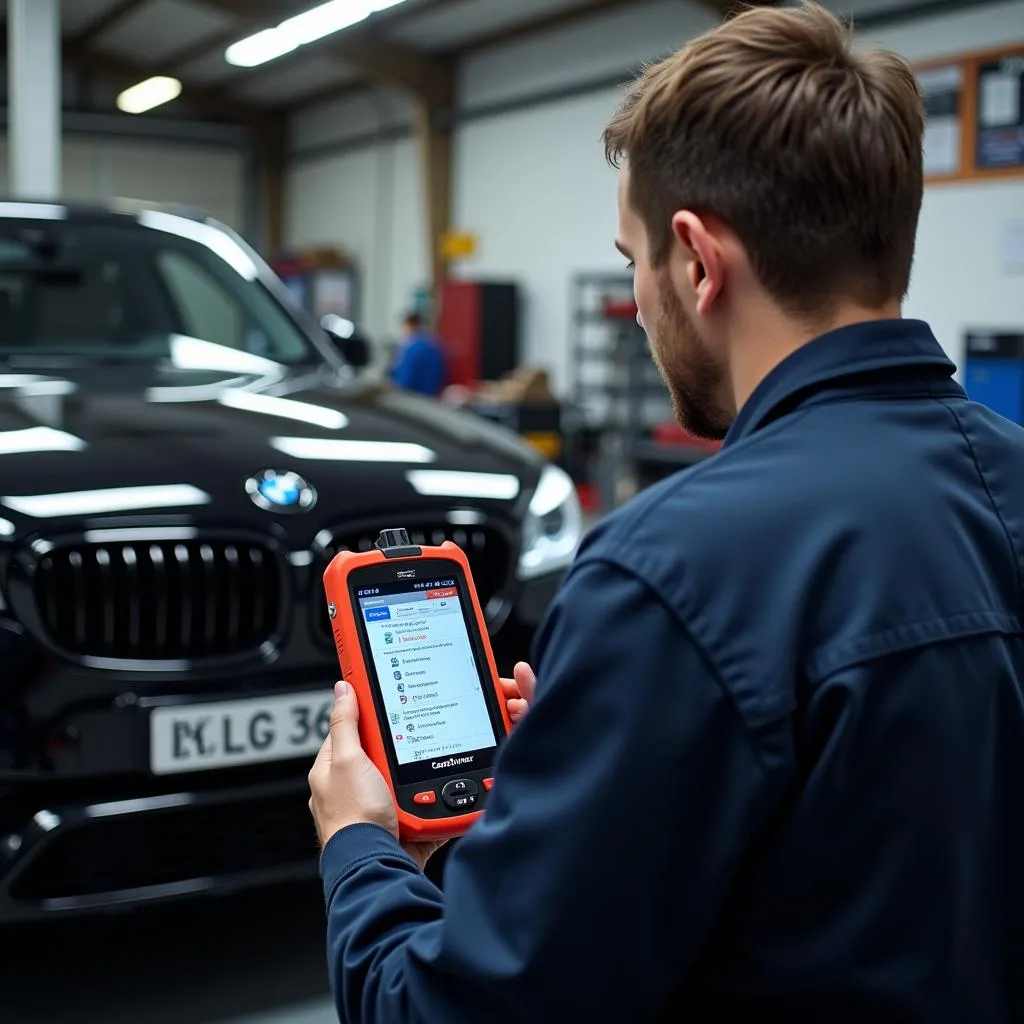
[345,628]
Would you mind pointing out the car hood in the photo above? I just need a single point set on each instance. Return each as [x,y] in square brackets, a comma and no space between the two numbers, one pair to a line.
[102,443]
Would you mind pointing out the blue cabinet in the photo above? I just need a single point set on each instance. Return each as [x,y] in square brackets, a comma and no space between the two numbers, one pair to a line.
[994,372]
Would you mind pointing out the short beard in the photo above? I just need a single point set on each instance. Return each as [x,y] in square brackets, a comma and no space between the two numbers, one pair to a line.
[695,377]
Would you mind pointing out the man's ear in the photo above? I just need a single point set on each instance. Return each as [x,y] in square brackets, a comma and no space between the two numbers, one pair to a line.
[704,254]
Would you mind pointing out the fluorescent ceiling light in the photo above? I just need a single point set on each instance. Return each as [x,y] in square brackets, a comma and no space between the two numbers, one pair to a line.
[443,483]
[329,450]
[153,92]
[38,439]
[324,20]
[259,49]
[285,408]
[113,499]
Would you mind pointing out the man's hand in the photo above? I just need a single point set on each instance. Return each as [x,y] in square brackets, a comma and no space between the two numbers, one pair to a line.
[346,787]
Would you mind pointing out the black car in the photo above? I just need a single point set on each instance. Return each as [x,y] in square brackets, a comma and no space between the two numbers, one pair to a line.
[182,451]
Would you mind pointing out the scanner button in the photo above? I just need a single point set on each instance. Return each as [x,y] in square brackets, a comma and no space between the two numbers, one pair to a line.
[427,797]
[459,793]
[488,783]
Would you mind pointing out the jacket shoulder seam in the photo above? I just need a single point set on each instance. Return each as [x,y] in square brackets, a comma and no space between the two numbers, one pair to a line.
[676,615]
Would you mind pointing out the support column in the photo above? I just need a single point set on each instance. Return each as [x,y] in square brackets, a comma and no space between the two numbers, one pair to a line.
[34,88]
[271,142]
[434,138]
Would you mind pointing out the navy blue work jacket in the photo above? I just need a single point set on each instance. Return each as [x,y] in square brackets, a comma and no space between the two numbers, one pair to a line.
[774,770]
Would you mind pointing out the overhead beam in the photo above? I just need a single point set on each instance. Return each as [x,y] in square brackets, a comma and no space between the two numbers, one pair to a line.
[327,94]
[213,43]
[723,8]
[194,96]
[545,23]
[425,78]
[106,21]
[430,80]
[727,8]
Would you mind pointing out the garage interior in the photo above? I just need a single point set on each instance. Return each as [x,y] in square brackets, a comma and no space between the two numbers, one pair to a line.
[442,157]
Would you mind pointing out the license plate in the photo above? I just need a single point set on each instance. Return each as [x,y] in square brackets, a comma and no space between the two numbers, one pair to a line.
[197,737]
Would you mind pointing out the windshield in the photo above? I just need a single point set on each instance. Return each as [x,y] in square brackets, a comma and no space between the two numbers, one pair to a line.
[105,291]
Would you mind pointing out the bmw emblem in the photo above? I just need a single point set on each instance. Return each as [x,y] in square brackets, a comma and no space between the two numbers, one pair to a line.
[280,492]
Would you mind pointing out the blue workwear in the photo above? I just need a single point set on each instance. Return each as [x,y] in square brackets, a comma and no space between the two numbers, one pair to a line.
[420,366]
[774,769]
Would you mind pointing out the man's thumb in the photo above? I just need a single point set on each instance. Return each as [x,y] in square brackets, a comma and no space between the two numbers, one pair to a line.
[344,722]
[525,679]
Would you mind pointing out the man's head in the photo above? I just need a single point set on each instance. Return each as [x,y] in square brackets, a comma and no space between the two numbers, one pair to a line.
[770,184]
[413,324]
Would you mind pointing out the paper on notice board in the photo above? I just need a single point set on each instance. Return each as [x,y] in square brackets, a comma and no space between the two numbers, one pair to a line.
[942,89]
[942,145]
[1000,100]
[1013,246]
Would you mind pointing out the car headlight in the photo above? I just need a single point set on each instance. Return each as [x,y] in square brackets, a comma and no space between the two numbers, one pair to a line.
[553,526]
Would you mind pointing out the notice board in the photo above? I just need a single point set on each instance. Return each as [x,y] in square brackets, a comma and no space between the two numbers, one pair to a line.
[975,109]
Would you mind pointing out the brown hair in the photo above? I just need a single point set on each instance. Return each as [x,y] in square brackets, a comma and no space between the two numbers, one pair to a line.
[809,151]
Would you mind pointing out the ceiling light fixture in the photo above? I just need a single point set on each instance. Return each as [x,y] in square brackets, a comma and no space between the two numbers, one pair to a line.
[305,28]
[153,92]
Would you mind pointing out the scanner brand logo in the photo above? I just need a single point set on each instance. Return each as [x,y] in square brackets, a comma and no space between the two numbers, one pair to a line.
[451,762]
[406,574]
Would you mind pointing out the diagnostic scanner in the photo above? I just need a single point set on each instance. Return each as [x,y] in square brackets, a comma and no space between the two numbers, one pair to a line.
[413,644]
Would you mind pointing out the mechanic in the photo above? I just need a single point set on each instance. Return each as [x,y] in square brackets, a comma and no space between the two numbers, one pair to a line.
[774,765]
[420,363]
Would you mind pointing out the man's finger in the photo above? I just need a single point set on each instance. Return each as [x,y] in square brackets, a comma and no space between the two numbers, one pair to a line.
[526,680]
[516,709]
[344,737]
[510,688]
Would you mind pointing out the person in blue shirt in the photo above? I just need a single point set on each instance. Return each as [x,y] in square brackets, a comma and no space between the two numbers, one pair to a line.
[772,765]
[420,365]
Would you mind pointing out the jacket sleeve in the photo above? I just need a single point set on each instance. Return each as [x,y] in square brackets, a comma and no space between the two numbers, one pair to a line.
[621,805]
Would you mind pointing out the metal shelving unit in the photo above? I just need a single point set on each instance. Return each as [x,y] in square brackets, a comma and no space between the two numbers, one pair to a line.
[618,396]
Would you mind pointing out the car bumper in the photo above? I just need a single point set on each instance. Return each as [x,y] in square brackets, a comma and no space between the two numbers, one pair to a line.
[80,858]
[94,830]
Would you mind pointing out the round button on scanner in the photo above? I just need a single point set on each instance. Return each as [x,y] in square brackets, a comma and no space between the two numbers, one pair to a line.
[426,797]
[460,794]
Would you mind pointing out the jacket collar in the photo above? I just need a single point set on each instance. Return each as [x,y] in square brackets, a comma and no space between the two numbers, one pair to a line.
[861,353]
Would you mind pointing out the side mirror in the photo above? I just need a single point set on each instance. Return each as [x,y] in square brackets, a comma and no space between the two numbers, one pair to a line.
[347,339]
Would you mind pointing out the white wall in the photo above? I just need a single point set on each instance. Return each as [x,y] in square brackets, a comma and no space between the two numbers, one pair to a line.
[370,203]
[533,184]
[96,169]
[961,280]
[365,198]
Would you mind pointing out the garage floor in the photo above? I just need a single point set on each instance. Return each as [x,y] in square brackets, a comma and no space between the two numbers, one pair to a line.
[257,959]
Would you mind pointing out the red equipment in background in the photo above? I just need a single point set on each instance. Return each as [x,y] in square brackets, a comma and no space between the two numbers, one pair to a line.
[478,328]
